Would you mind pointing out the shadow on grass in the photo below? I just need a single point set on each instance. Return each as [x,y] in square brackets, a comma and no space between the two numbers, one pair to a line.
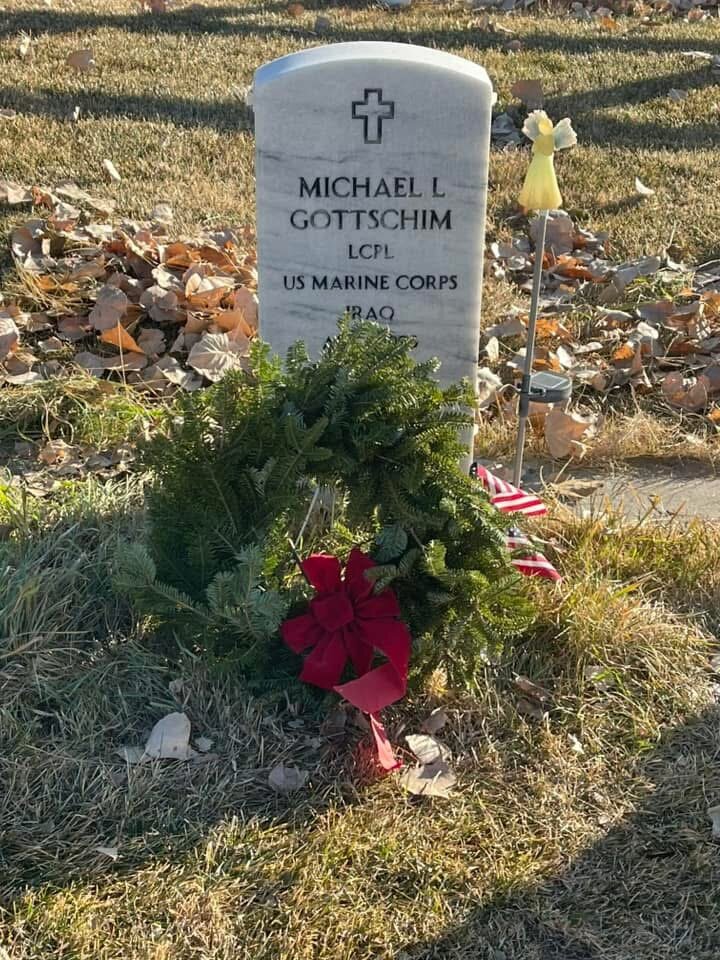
[232,115]
[226,116]
[80,678]
[229,20]
[233,21]
[647,890]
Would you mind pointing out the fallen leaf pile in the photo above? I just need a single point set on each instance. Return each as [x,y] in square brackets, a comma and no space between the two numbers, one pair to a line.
[39,471]
[123,301]
[601,325]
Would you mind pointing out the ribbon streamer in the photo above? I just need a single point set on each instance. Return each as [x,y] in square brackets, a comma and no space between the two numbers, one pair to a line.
[347,621]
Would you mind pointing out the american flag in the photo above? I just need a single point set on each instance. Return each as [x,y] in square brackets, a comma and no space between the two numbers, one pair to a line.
[532,563]
[506,497]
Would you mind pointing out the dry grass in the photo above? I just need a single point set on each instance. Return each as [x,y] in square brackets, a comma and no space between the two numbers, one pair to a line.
[544,851]
[661,436]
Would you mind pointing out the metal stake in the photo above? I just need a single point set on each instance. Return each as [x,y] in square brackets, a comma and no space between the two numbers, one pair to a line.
[524,396]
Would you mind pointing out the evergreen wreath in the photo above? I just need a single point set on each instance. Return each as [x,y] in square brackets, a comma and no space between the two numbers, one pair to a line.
[357,449]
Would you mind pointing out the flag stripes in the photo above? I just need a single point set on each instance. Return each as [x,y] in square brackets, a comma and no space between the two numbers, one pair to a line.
[508,498]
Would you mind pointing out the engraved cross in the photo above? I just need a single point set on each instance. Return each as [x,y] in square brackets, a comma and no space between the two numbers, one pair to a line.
[372,111]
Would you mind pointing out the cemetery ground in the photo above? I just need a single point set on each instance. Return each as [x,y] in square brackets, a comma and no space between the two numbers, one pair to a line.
[587,758]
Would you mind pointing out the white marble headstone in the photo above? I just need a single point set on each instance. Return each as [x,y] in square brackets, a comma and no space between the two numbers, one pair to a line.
[372,166]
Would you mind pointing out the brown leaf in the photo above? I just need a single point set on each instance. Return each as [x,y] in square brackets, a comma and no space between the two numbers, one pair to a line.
[428,780]
[151,341]
[711,378]
[81,60]
[14,193]
[436,721]
[529,92]
[531,708]
[126,362]
[73,328]
[546,359]
[91,362]
[559,232]
[287,779]
[160,304]
[9,334]
[427,749]
[642,190]
[567,266]
[89,269]
[547,327]
[513,326]
[118,337]
[624,356]
[215,355]
[564,432]
[295,10]
[246,301]
[234,322]
[110,306]
[682,348]
[678,393]
[206,292]
[199,322]
[111,171]
[178,255]
[24,47]
[177,375]
[530,689]
[55,451]
[170,739]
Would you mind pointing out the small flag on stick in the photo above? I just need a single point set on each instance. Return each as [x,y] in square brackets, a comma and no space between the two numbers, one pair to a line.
[506,497]
[531,563]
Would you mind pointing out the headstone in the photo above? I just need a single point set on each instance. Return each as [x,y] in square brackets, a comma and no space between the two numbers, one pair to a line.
[372,165]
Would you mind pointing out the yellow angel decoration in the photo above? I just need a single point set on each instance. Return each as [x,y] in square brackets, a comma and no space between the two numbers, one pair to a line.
[541,191]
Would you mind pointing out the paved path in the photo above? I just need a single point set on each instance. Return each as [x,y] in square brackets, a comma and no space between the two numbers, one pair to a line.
[688,489]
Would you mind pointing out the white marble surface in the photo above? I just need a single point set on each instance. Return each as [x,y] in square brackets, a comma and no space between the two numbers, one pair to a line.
[372,165]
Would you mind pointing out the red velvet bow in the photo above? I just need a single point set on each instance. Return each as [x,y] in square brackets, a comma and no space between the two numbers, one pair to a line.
[347,621]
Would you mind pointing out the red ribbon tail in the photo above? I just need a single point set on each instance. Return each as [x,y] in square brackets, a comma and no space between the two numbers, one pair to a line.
[374,690]
[385,755]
